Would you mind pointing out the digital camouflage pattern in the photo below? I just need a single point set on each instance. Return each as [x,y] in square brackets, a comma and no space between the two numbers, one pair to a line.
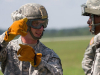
[88,59]
[50,64]
[31,11]
[91,60]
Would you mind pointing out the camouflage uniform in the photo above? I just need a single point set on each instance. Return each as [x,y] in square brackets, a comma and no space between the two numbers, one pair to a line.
[91,60]
[88,59]
[50,64]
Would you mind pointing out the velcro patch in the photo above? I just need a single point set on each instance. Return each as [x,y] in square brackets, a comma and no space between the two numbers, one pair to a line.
[43,12]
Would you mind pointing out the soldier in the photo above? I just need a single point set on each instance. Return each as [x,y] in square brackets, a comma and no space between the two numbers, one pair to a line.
[91,60]
[27,55]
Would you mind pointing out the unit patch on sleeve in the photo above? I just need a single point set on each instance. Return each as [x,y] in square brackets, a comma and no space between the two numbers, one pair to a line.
[92,41]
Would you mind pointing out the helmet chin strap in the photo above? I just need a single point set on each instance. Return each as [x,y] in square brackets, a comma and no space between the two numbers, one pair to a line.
[93,25]
[36,38]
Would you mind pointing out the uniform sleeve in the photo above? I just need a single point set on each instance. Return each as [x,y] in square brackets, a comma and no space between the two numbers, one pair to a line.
[3,49]
[53,65]
[88,59]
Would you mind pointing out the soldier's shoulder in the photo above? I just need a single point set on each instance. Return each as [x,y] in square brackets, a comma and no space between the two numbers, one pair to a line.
[97,38]
[14,44]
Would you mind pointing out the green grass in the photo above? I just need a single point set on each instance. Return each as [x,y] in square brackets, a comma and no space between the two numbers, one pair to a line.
[71,53]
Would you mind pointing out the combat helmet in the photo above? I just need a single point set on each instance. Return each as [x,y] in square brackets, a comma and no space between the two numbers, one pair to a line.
[91,7]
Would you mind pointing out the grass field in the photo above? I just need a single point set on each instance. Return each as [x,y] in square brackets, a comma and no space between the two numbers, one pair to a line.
[71,51]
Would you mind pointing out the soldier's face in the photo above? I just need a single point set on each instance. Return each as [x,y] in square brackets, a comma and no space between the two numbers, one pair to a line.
[89,22]
[37,32]
[96,21]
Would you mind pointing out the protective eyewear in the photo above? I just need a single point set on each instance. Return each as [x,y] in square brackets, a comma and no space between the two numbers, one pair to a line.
[35,24]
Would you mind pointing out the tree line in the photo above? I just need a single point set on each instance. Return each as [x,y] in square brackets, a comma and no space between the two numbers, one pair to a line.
[67,32]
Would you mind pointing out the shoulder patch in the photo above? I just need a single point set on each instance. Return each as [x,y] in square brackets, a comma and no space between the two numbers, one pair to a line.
[92,41]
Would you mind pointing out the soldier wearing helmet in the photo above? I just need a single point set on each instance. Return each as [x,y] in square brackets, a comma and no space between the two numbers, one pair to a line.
[90,62]
[27,55]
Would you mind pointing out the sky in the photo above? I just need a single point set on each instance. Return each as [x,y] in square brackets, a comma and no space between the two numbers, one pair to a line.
[63,14]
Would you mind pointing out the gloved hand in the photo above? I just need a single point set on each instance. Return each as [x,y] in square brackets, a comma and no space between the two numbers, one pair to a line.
[17,28]
[27,53]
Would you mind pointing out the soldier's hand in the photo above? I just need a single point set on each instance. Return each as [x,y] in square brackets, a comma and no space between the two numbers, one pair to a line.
[17,28]
[27,53]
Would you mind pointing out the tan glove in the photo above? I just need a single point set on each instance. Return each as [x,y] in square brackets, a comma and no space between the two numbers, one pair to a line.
[17,28]
[27,53]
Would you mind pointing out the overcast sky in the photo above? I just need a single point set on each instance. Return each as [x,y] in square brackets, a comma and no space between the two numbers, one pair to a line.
[62,13]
